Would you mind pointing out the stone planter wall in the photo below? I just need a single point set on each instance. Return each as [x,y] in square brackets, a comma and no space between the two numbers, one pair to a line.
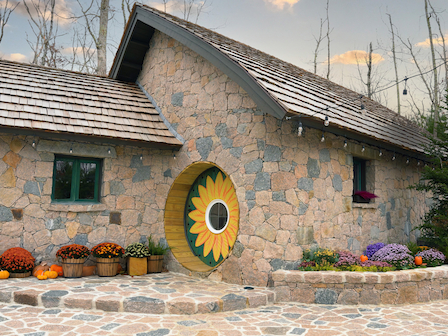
[352,288]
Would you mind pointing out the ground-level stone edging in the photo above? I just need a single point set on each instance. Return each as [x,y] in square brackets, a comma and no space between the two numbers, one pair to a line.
[352,288]
[166,293]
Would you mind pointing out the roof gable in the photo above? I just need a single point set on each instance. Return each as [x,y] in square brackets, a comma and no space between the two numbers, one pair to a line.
[278,87]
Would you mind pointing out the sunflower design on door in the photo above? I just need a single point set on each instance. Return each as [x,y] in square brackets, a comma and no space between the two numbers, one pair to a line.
[211,217]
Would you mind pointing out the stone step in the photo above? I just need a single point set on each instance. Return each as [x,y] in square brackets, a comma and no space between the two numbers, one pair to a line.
[164,293]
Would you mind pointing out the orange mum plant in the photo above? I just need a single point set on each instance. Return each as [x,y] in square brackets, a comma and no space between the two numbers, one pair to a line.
[17,260]
[107,250]
[73,251]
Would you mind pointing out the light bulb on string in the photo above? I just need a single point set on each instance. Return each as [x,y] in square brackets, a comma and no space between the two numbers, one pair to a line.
[326,122]
[141,157]
[418,163]
[108,151]
[322,139]
[34,143]
[393,157]
[363,149]
[71,150]
[407,161]
[345,143]
[300,129]
[381,153]
[405,91]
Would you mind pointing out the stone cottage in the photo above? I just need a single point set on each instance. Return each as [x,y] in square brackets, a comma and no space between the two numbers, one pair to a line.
[234,158]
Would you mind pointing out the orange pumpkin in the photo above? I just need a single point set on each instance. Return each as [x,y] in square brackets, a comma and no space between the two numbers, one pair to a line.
[51,274]
[4,274]
[364,258]
[42,277]
[38,273]
[57,269]
[418,260]
[42,267]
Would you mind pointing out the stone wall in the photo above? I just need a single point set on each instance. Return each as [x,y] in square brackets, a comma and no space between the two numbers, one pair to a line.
[294,192]
[352,288]
[133,196]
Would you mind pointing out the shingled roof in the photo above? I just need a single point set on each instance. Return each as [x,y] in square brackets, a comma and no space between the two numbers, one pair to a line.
[278,87]
[41,99]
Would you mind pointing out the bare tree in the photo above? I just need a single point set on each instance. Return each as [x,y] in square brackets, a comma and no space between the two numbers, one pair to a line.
[42,21]
[5,12]
[443,54]
[190,8]
[394,58]
[319,40]
[126,9]
[100,37]
[328,41]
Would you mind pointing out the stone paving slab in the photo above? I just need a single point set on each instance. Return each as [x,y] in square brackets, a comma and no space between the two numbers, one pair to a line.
[427,319]
[162,293]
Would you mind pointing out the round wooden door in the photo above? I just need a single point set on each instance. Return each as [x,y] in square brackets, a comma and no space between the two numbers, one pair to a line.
[211,217]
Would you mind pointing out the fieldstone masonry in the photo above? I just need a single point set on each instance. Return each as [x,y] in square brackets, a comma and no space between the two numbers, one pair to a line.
[294,192]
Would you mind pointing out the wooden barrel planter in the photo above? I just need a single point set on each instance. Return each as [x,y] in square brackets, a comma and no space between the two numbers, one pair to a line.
[155,263]
[137,266]
[107,266]
[72,268]
[19,275]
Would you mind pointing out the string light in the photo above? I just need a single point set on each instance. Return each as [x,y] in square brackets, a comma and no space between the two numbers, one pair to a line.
[407,161]
[300,129]
[71,150]
[362,103]
[108,151]
[418,163]
[33,144]
[405,91]
[322,139]
[141,157]
[381,153]
[326,122]
[345,143]
[393,157]
[363,149]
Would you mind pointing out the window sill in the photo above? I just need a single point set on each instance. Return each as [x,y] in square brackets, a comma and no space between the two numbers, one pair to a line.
[74,207]
[365,205]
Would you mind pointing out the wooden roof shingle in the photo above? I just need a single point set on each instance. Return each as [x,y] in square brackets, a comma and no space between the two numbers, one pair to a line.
[59,101]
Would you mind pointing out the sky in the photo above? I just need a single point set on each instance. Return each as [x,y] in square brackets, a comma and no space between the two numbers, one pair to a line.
[287,29]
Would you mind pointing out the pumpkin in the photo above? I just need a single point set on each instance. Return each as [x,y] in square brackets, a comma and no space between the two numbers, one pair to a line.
[42,267]
[418,260]
[42,277]
[364,258]
[39,272]
[57,269]
[51,274]
[4,274]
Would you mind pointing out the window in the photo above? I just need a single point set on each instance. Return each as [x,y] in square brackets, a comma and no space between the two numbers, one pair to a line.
[76,179]
[359,181]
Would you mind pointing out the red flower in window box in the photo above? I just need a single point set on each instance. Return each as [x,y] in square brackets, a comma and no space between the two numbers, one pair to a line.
[365,194]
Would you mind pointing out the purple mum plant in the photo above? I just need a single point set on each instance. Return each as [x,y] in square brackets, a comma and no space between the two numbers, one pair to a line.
[369,263]
[372,248]
[432,257]
[395,254]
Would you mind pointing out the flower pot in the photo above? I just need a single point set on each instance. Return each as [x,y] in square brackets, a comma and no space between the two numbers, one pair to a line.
[72,268]
[107,266]
[20,275]
[137,266]
[155,263]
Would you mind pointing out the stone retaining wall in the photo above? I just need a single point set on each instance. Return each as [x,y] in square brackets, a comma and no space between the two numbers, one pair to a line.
[351,288]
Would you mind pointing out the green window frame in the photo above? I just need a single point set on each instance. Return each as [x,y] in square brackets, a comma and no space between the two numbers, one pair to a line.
[75,180]
[359,175]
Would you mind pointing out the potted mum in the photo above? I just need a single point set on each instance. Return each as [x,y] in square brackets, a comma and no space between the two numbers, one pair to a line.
[155,260]
[107,258]
[137,254]
[18,262]
[73,257]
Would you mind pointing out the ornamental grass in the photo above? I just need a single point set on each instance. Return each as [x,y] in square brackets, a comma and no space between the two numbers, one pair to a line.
[107,250]
[73,251]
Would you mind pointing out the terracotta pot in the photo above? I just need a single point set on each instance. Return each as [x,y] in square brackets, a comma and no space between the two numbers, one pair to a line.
[137,266]
[107,266]
[418,260]
[155,263]
[88,270]
[72,268]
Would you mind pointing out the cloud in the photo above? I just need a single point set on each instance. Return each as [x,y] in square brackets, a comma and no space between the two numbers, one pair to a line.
[356,57]
[78,51]
[426,43]
[280,4]
[62,10]
[16,57]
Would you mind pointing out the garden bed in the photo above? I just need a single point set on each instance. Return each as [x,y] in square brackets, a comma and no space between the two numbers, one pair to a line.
[352,288]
